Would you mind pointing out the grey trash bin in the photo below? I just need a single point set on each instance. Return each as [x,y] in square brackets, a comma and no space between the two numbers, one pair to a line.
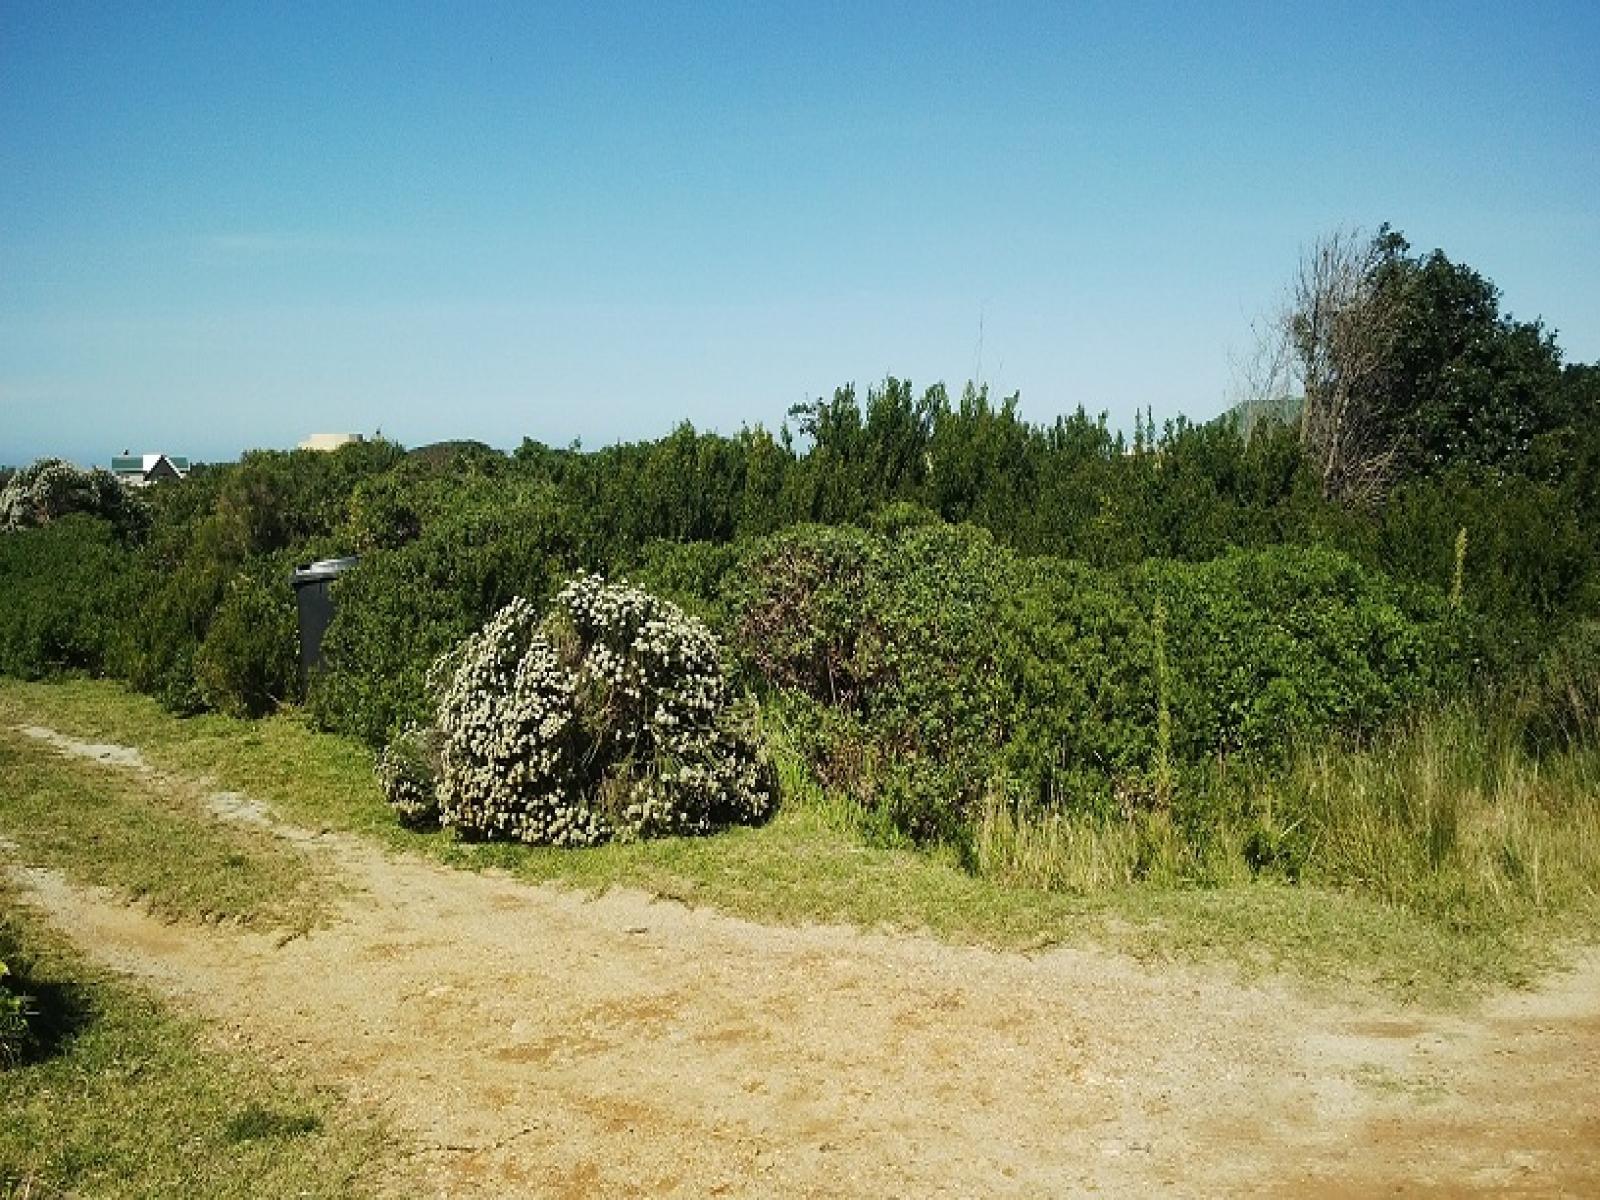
[314,599]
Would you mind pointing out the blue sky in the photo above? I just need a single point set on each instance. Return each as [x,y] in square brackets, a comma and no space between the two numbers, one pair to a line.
[229,225]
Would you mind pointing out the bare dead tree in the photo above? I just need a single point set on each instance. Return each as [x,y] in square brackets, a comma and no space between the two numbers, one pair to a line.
[1340,326]
[1263,383]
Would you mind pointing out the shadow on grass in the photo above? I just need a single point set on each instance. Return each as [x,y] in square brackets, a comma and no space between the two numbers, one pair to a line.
[58,1012]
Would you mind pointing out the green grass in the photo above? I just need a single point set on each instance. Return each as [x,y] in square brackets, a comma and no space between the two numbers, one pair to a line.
[151,839]
[1480,855]
[1335,922]
[123,1099]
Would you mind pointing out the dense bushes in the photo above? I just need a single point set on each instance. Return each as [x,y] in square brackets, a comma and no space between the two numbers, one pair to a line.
[66,593]
[248,661]
[1100,618]
[407,604]
[1267,647]
[610,717]
[926,669]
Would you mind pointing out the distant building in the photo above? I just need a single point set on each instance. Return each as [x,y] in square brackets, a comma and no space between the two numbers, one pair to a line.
[330,441]
[140,469]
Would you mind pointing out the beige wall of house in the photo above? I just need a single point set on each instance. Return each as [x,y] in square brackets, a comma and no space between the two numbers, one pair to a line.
[329,441]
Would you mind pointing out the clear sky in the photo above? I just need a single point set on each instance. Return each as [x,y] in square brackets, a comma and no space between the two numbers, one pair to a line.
[227,225]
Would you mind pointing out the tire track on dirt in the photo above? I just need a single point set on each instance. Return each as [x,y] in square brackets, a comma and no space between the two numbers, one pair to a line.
[538,1041]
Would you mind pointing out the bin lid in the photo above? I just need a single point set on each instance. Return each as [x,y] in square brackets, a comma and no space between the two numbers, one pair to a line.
[323,568]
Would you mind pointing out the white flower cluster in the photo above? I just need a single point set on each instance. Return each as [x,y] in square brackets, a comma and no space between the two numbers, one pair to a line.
[611,718]
[52,487]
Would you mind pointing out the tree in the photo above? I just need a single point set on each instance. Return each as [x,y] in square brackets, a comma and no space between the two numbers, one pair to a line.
[1405,366]
[1474,386]
[1342,328]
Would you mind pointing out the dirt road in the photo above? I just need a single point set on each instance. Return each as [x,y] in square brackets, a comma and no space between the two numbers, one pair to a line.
[533,1041]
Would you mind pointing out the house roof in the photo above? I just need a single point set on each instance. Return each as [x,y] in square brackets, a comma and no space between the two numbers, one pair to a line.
[143,464]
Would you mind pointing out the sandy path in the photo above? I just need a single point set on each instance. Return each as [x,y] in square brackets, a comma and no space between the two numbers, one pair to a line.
[538,1042]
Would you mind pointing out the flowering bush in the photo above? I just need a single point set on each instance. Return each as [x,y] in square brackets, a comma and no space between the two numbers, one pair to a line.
[408,773]
[610,717]
[50,488]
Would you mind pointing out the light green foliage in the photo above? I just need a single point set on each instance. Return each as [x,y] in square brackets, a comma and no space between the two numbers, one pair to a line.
[1458,577]
[609,718]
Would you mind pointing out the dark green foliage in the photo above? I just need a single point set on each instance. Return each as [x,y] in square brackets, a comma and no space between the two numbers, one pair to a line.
[1270,647]
[803,613]
[16,1015]
[1530,558]
[926,669]
[248,662]
[942,598]
[403,607]
[66,589]
[255,1122]
[693,575]
[1557,700]
[1080,667]
[1469,385]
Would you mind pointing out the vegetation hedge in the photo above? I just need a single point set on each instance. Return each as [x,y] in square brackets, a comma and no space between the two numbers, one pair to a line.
[928,668]
[66,597]
[939,598]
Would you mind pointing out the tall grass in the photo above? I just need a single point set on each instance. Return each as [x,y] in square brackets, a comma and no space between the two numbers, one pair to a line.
[1455,817]
[1480,814]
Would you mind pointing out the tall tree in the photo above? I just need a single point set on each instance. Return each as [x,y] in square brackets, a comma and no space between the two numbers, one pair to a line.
[1343,327]
[1406,366]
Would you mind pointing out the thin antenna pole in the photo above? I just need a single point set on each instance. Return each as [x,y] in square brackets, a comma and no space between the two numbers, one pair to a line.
[977,371]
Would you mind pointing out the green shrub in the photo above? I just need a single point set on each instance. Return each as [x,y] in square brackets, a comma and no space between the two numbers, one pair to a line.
[66,587]
[928,669]
[898,640]
[611,717]
[408,773]
[693,575]
[403,607]
[803,616]
[168,622]
[1083,703]
[1271,646]
[1557,701]
[16,1015]
[248,662]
